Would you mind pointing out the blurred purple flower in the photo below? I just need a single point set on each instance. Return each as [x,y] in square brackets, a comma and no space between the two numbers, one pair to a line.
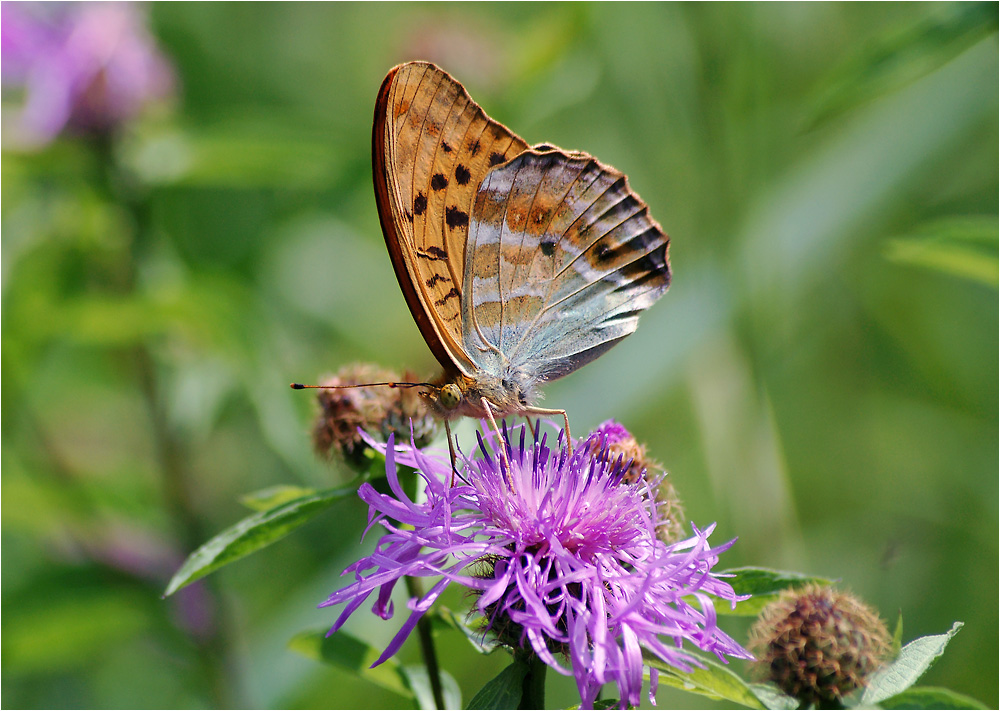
[563,554]
[84,67]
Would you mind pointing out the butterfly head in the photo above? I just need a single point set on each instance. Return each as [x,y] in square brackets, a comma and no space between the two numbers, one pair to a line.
[449,396]
[463,396]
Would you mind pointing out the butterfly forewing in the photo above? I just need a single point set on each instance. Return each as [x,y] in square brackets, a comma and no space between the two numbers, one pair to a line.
[432,145]
[562,258]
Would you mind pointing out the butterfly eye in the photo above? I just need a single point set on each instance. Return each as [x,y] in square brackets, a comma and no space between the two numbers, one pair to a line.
[450,396]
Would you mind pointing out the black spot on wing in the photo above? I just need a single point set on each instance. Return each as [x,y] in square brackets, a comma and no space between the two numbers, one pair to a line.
[462,174]
[433,253]
[496,159]
[453,293]
[548,247]
[624,208]
[420,204]
[474,148]
[651,269]
[434,280]
[439,182]
[455,217]
[445,147]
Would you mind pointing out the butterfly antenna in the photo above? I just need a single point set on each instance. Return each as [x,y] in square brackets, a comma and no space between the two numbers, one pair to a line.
[300,386]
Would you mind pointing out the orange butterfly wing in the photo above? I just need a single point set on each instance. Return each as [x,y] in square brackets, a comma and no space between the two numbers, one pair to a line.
[432,146]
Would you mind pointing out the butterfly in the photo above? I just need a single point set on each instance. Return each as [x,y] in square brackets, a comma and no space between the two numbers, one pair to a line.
[519,263]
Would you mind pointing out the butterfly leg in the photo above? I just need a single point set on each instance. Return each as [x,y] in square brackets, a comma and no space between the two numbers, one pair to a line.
[451,450]
[543,411]
[501,446]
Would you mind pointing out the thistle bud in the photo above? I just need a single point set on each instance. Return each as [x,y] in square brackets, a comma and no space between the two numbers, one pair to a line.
[378,410]
[819,644]
[642,468]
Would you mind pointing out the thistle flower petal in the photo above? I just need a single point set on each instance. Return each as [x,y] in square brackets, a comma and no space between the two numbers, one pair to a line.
[574,566]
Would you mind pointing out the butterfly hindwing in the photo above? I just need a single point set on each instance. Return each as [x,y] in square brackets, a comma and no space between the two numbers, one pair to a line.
[562,258]
[432,145]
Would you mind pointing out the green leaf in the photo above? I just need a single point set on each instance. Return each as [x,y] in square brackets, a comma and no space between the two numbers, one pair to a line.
[444,616]
[419,683]
[253,533]
[714,681]
[764,585]
[961,246]
[897,636]
[913,660]
[350,653]
[502,691]
[774,698]
[930,697]
[273,496]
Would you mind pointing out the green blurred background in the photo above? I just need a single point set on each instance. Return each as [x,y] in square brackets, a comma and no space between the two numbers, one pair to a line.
[821,379]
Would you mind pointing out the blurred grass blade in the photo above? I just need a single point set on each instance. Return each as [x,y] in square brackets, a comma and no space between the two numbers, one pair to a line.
[902,55]
[502,691]
[350,653]
[253,533]
[931,697]
[821,208]
[714,681]
[962,246]
[913,660]
[764,584]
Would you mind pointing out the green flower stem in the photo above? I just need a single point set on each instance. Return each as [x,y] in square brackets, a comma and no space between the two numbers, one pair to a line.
[533,686]
[424,633]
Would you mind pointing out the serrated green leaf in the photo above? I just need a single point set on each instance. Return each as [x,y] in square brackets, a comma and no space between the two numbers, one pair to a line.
[930,697]
[273,496]
[502,691]
[714,681]
[253,533]
[763,585]
[419,683]
[914,659]
[347,652]
[774,698]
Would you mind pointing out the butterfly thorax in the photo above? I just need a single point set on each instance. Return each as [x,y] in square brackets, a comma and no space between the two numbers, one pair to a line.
[459,395]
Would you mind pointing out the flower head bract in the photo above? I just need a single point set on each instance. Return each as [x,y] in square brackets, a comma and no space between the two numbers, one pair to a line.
[562,552]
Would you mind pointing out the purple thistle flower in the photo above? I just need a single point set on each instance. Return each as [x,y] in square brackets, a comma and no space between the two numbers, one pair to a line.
[572,559]
[87,67]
